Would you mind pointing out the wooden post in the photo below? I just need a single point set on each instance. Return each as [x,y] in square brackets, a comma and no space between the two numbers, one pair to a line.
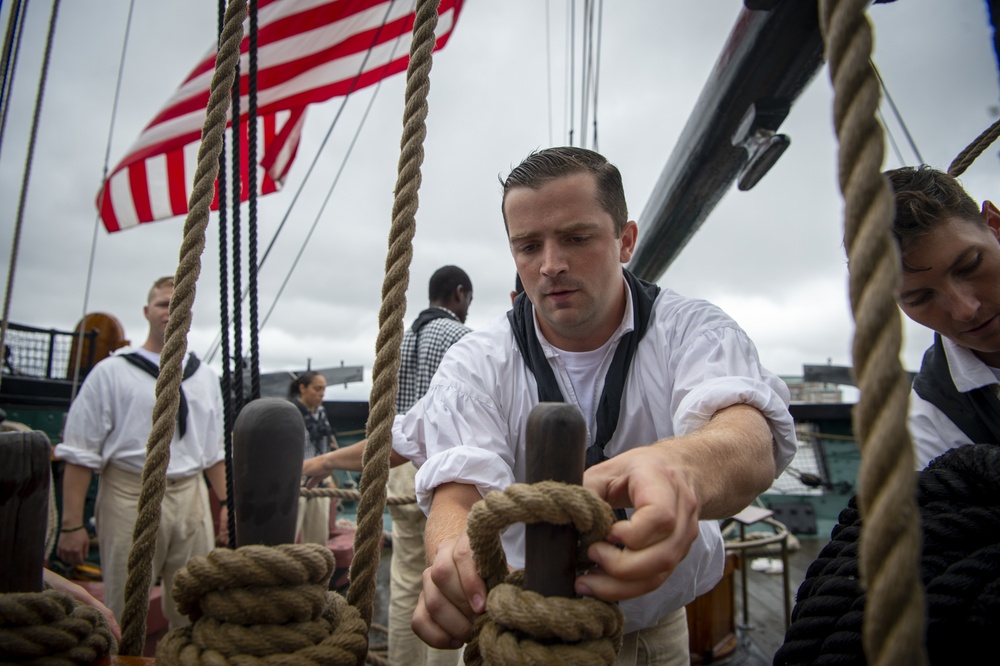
[268,448]
[25,475]
[556,443]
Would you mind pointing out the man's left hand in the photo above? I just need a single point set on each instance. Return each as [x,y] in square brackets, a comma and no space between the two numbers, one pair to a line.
[659,533]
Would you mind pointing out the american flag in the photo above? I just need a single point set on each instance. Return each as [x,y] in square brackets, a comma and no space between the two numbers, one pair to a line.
[308,51]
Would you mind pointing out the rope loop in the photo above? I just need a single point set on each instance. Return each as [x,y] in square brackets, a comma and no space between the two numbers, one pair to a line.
[521,626]
[52,627]
[263,605]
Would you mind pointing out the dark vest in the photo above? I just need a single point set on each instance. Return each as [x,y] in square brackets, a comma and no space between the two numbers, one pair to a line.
[976,413]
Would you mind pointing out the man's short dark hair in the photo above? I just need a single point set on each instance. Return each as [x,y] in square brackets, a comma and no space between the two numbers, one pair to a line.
[161,283]
[544,166]
[924,198]
[444,282]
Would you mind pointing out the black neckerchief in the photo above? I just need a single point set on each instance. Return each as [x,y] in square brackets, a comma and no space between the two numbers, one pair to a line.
[522,322]
[976,412]
[151,368]
[429,315]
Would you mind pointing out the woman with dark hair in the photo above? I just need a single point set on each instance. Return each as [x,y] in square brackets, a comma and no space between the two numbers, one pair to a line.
[306,392]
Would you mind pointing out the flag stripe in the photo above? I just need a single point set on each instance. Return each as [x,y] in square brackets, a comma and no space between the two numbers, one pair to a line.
[308,51]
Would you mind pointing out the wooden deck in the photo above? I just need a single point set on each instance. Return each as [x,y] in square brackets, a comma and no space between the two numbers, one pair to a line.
[761,637]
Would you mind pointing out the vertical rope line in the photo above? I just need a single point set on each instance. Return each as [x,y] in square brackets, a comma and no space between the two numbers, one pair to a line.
[29,158]
[227,377]
[237,273]
[894,620]
[364,566]
[12,45]
[175,342]
[252,216]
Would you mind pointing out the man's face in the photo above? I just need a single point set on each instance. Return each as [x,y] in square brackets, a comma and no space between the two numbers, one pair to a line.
[157,311]
[569,259]
[952,284]
[462,301]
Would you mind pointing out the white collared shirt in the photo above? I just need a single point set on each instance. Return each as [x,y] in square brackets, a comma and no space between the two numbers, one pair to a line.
[932,431]
[111,417]
[693,361]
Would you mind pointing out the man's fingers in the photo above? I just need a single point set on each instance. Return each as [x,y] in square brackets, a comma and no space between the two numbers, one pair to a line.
[431,632]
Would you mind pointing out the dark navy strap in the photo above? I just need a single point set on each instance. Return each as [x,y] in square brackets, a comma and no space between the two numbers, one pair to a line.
[143,363]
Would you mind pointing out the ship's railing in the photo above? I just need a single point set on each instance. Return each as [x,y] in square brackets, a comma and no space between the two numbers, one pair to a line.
[45,353]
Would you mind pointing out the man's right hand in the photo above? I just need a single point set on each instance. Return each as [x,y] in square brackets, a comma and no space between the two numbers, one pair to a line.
[453,597]
[73,547]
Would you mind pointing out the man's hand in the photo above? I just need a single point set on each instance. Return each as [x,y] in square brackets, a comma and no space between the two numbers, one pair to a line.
[660,532]
[315,470]
[60,584]
[453,597]
[73,547]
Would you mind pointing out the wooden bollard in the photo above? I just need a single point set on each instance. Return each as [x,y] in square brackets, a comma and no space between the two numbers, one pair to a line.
[556,443]
[268,448]
[25,459]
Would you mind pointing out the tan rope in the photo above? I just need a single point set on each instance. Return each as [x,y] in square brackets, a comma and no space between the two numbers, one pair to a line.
[175,346]
[53,628]
[974,150]
[521,626]
[354,495]
[894,621]
[364,565]
[263,605]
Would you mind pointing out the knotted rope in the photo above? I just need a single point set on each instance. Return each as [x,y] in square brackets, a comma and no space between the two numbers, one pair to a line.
[175,346]
[364,565]
[520,626]
[959,498]
[894,617]
[53,628]
[263,605]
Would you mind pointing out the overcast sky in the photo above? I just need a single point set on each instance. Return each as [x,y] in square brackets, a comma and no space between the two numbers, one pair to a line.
[771,257]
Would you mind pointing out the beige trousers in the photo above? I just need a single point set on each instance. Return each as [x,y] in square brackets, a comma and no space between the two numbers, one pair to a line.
[663,644]
[185,532]
[406,579]
[313,522]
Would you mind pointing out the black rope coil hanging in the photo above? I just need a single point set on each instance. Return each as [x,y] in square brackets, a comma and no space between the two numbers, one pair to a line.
[959,499]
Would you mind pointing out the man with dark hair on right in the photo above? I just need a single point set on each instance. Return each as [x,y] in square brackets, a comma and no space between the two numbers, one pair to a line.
[950,249]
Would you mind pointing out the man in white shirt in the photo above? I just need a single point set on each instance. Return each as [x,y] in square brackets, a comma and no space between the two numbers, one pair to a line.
[685,426]
[950,249]
[106,432]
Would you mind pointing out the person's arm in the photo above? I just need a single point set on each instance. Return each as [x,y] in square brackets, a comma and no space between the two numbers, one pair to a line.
[74,540]
[453,594]
[217,478]
[347,458]
[709,474]
[60,584]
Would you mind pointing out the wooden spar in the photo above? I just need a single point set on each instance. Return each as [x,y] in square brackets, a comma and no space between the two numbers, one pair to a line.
[268,448]
[25,459]
[556,442]
[769,58]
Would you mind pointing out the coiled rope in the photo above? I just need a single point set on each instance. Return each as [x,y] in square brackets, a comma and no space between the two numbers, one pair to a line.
[894,615]
[263,605]
[959,499]
[520,626]
[53,628]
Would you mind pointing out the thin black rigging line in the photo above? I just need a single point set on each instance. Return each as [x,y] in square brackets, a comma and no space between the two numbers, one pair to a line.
[597,70]
[214,347]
